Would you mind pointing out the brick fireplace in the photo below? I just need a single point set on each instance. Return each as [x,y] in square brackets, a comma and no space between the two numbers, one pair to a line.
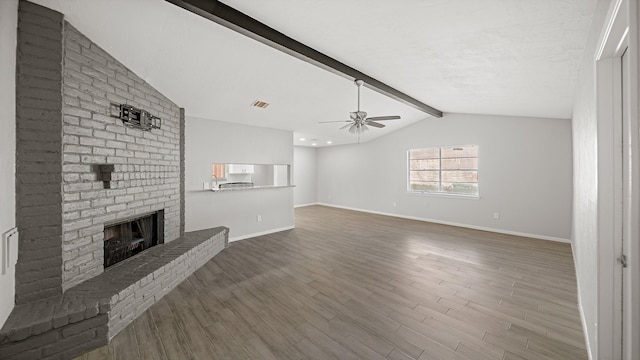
[65,90]
[63,136]
[146,174]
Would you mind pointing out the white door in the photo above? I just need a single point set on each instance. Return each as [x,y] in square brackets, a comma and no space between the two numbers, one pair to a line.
[631,210]
[618,325]
[626,189]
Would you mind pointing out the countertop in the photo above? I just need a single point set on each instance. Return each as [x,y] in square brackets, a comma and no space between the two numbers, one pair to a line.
[246,188]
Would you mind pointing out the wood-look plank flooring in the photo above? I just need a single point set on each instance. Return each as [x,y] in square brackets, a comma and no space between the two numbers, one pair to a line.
[350,285]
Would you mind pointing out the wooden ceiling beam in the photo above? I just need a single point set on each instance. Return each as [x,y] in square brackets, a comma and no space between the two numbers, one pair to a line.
[235,20]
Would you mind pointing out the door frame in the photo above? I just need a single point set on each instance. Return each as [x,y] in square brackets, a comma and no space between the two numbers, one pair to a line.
[618,319]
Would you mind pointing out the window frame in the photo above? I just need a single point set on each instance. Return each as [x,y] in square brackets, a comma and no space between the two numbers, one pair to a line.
[440,192]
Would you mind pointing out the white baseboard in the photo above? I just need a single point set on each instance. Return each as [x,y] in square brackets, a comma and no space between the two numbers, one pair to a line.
[585,329]
[483,228]
[303,205]
[266,232]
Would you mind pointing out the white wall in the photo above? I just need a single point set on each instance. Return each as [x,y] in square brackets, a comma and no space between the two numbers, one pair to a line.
[262,175]
[8,34]
[524,174]
[305,175]
[585,184]
[208,142]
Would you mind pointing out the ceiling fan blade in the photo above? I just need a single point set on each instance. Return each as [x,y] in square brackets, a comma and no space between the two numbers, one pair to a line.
[378,118]
[326,122]
[346,126]
[375,124]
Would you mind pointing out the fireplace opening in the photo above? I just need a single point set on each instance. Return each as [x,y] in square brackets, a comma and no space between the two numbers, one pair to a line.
[126,239]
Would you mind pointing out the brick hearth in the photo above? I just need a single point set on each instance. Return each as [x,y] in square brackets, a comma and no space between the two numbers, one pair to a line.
[90,314]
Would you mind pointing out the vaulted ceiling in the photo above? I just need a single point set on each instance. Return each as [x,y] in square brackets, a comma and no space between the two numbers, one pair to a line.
[502,57]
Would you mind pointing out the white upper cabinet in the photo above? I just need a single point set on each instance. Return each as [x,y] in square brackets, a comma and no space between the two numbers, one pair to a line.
[240,169]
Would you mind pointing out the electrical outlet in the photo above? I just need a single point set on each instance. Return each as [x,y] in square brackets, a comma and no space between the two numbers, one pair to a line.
[496,215]
[259,218]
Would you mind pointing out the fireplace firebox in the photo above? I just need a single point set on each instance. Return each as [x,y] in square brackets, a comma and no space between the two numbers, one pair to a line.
[126,239]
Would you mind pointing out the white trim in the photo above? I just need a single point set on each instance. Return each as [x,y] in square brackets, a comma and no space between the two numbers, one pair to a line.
[266,232]
[609,30]
[583,320]
[303,205]
[444,195]
[616,202]
[631,310]
[482,228]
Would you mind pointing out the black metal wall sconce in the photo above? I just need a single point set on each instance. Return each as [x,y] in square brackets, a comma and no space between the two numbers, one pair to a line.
[104,174]
[137,118]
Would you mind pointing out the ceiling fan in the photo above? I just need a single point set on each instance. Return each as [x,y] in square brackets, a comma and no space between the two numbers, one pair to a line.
[359,121]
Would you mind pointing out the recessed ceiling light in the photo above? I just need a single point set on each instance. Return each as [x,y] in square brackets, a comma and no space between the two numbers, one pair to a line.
[329,142]
[314,144]
[303,139]
[260,104]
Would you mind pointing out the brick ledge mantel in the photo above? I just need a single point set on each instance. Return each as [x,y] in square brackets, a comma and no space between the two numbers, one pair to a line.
[90,314]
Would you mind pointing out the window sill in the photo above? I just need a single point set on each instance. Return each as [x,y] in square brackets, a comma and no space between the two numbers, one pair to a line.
[445,195]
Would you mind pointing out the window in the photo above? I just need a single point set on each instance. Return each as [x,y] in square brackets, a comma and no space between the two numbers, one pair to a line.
[447,170]
[217,171]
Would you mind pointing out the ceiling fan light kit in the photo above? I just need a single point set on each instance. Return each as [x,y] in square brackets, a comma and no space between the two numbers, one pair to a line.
[359,120]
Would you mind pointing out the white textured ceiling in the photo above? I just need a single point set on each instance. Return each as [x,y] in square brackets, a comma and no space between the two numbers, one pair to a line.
[503,57]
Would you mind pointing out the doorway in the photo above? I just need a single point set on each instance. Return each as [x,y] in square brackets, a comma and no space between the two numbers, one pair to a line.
[618,185]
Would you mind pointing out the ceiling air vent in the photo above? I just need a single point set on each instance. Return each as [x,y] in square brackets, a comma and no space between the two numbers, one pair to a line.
[260,104]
